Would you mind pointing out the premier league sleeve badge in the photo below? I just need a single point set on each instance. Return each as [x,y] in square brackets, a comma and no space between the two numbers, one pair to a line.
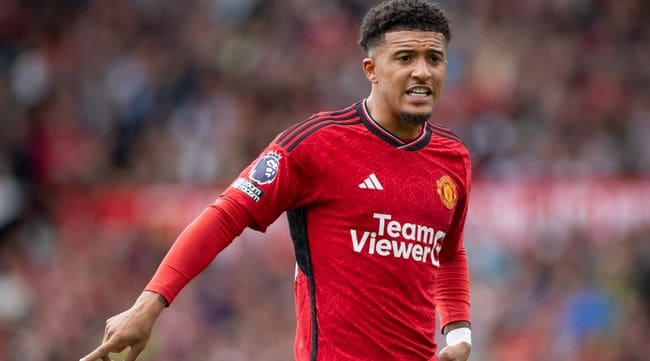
[266,168]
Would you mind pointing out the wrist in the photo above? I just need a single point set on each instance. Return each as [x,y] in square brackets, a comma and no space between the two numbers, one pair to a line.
[459,335]
[151,302]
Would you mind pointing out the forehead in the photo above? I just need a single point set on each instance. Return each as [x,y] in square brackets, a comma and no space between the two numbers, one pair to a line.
[414,39]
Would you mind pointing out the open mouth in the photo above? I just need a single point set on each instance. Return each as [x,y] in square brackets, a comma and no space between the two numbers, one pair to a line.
[419,92]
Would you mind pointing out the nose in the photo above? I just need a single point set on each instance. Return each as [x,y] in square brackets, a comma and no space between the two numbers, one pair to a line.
[421,70]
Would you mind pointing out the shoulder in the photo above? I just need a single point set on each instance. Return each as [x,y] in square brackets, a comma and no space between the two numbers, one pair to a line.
[454,143]
[316,125]
[442,131]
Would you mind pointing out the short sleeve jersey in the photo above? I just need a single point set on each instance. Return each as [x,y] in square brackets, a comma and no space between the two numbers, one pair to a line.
[372,218]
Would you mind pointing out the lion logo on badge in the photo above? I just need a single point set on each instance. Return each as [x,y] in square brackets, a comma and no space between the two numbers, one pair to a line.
[447,191]
[266,169]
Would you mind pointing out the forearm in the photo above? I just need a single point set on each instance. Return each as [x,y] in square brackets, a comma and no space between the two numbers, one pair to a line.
[196,247]
[453,289]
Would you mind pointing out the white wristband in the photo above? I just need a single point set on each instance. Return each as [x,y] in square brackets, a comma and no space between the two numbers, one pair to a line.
[458,335]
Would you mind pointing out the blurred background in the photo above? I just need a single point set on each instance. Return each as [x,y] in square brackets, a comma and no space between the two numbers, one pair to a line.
[121,120]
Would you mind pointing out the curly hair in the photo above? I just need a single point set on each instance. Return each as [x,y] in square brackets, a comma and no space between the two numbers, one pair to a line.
[396,15]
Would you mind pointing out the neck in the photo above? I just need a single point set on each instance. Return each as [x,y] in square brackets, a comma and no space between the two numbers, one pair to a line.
[391,122]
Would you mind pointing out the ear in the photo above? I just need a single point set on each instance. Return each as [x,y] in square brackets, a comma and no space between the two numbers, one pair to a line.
[369,69]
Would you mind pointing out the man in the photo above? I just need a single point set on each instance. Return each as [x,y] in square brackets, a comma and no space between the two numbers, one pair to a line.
[376,197]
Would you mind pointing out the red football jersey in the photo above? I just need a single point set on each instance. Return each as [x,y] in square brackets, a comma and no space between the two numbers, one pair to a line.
[377,226]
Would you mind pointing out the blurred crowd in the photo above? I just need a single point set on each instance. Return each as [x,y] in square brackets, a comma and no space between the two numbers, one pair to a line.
[113,94]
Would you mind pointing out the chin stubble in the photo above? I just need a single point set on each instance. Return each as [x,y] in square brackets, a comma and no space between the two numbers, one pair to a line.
[415,119]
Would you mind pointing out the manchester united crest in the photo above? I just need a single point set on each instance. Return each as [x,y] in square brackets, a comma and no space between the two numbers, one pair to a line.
[447,191]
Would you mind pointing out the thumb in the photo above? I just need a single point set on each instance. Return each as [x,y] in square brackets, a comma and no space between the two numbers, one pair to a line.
[445,355]
[459,352]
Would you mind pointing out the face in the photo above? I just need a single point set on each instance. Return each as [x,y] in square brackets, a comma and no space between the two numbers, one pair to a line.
[407,72]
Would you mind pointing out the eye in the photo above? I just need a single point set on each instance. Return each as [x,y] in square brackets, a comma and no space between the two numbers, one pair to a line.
[404,58]
[436,59]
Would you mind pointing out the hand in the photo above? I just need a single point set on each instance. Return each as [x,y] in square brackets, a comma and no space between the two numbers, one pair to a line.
[459,352]
[131,328]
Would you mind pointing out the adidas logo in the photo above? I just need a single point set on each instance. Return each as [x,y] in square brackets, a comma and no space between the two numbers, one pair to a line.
[371,183]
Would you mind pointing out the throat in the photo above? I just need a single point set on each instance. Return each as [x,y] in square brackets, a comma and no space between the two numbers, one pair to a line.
[405,126]
[410,135]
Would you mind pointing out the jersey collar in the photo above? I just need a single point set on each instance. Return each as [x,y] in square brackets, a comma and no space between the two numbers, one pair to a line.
[375,128]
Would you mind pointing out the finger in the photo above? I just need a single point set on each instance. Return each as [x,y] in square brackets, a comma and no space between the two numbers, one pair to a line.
[458,352]
[445,355]
[120,348]
[103,358]
[101,351]
[134,352]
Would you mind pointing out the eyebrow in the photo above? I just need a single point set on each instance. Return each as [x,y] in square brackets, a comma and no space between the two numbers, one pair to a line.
[411,50]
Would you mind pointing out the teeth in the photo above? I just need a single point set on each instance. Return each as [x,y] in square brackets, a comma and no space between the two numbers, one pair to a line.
[419,92]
